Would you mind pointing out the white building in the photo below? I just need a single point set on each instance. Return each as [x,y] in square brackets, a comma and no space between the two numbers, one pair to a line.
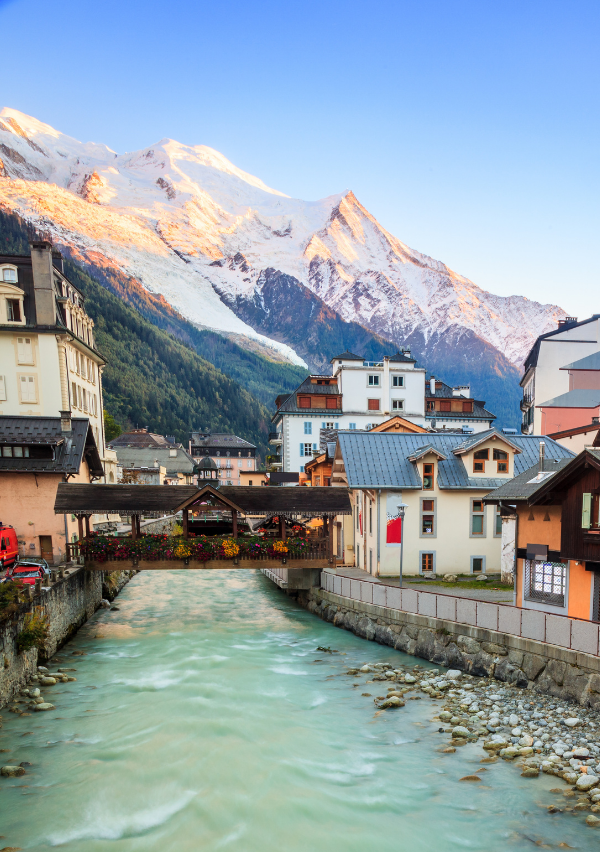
[48,360]
[442,480]
[544,377]
[358,394]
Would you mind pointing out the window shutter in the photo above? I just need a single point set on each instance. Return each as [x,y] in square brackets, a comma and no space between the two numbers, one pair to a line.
[301,449]
[2,388]
[586,511]
[314,449]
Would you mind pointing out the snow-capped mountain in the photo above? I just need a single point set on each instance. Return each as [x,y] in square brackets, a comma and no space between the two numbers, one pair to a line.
[188,224]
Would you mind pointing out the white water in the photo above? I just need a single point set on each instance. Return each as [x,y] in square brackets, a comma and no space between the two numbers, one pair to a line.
[201,721]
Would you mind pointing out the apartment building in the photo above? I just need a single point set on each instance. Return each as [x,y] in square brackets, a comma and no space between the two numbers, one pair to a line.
[358,394]
[547,376]
[454,408]
[231,454]
[48,358]
[139,450]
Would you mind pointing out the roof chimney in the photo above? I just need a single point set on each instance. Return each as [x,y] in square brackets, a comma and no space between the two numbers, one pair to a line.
[432,386]
[43,282]
[65,421]
[542,455]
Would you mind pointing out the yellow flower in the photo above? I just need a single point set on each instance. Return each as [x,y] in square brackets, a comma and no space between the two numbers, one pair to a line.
[280,547]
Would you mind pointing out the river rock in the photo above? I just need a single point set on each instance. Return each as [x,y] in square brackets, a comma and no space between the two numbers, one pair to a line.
[12,771]
[460,731]
[581,752]
[392,701]
[530,772]
[445,716]
[45,705]
[526,740]
[513,721]
[509,753]
[47,681]
[592,821]
[453,674]
[105,604]
[586,782]
[365,669]
[410,678]
[572,722]
[42,669]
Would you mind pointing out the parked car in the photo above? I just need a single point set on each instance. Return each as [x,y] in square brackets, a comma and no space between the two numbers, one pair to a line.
[30,562]
[9,546]
[27,574]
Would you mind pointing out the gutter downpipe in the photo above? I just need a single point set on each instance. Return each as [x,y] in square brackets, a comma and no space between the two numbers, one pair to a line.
[378,530]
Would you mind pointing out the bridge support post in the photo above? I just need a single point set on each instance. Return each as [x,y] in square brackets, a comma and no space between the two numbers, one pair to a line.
[282,528]
[234,523]
[185,523]
[87,526]
[134,526]
[80,526]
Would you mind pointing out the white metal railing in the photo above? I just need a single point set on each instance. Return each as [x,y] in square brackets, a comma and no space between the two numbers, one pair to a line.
[572,633]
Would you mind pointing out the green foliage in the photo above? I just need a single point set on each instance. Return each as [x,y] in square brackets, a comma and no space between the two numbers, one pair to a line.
[10,594]
[111,427]
[34,633]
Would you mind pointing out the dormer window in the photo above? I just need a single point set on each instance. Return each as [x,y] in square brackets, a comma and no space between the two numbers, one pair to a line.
[13,310]
[428,473]
[479,459]
[502,461]
[9,275]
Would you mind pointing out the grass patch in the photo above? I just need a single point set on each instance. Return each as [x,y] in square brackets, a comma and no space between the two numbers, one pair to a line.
[33,634]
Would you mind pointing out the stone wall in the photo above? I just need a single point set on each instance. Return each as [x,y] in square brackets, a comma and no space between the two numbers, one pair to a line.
[545,668]
[67,605]
[161,526]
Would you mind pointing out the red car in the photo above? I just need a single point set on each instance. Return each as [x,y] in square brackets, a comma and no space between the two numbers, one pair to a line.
[26,574]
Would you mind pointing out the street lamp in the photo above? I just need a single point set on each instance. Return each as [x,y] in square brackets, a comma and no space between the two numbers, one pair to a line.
[402,507]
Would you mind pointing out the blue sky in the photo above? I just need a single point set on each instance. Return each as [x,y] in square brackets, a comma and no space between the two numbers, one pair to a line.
[468,129]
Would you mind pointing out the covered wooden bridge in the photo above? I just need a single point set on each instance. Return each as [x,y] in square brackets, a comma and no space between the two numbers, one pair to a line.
[232,502]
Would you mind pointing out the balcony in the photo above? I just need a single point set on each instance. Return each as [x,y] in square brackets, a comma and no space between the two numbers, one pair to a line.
[275,438]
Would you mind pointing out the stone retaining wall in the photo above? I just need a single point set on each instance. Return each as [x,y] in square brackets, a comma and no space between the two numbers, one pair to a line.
[550,669]
[67,605]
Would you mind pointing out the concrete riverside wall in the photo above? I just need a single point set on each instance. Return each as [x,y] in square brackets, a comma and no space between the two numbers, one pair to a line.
[67,604]
[564,673]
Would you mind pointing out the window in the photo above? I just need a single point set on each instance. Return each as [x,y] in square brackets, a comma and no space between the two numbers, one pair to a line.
[317,480]
[9,275]
[74,392]
[2,388]
[477,518]
[427,563]
[502,459]
[445,405]
[545,581]
[427,517]
[240,462]
[397,381]
[498,523]
[373,404]
[351,425]
[301,468]
[13,310]
[28,389]
[479,459]
[303,402]
[373,381]
[307,427]
[428,473]
[468,407]
[250,482]
[370,520]
[24,350]
[249,464]
[331,402]
[430,405]
[370,561]
[477,564]
[307,449]
[397,405]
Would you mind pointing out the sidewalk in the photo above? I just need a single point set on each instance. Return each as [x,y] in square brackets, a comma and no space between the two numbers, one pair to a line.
[483,594]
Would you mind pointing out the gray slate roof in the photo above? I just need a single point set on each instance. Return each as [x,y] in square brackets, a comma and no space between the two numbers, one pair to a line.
[69,448]
[381,460]
[590,362]
[315,390]
[582,398]
[522,487]
[220,440]
[146,456]
[139,439]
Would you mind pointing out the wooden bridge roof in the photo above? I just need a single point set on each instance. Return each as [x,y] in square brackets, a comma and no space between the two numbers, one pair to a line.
[291,501]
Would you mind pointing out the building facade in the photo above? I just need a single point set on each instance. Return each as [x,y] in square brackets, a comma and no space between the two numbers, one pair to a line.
[36,454]
[455,409]
[48,358]
[442,480]
[546,375]
[231,454]
[140,449]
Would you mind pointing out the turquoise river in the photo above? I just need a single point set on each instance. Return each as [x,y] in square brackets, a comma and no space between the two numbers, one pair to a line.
[203,718]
